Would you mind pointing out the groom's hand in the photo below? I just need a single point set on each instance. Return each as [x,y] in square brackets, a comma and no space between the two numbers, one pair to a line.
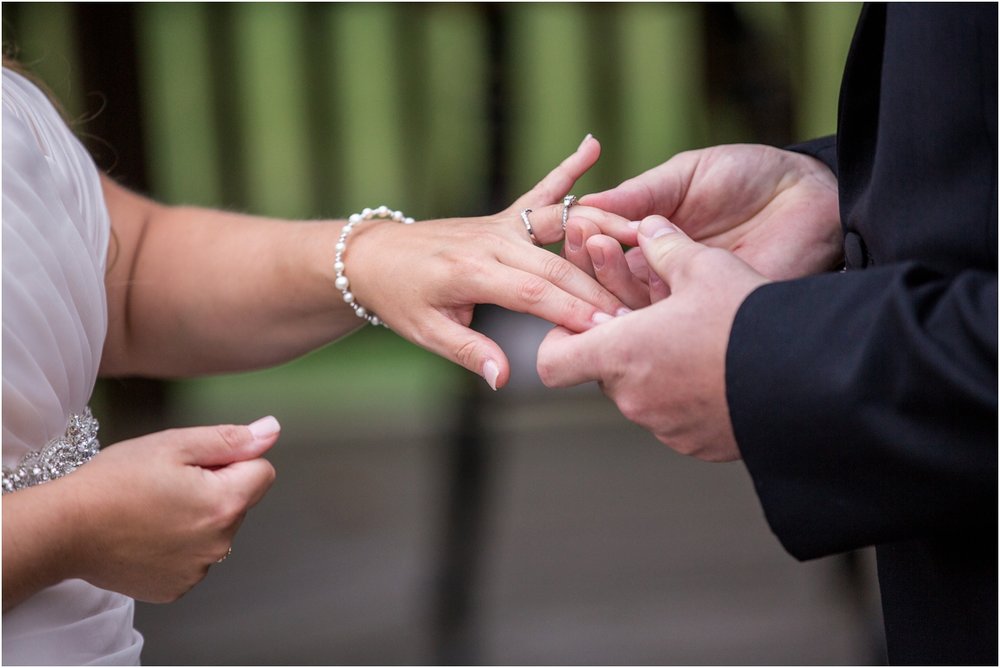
[777,210]
[664,365]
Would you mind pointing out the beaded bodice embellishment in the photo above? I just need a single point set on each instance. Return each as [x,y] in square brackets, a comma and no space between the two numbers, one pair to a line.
[59,457]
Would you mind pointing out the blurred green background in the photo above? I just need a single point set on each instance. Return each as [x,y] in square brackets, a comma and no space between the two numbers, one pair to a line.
[316,110]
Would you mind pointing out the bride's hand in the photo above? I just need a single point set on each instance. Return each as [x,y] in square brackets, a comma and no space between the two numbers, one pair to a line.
[425,279]
[159,510]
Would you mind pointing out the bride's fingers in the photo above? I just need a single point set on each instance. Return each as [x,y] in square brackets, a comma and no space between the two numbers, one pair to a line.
[545,221]
[466,347]
[547,224]
[564,275]
[560,180]
[537,290]
[613,271]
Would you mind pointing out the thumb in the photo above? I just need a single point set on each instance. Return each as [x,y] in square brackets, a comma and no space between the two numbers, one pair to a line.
[667,250]
[468,348]
[221,445]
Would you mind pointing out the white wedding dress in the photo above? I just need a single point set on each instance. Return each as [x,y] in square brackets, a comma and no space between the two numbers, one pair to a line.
[55,239]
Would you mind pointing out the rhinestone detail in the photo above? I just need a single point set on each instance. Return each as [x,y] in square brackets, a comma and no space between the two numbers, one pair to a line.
[59,457]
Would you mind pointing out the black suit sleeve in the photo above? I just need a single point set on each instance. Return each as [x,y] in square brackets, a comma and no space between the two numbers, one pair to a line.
[865,404]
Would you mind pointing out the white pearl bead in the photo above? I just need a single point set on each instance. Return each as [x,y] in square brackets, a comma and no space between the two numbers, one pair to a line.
[409,221]
[338,267]
[382,210]
[375,320]
[361,311]
[340,247]
[366,212]
[349,297]
[342,283]
[355,218]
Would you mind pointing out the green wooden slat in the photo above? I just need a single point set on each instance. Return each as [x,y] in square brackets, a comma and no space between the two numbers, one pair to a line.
[453,165]
[827,30]
[370,109]
[178,100]
[549,90]
[270,77]
[45,45]
[661,102]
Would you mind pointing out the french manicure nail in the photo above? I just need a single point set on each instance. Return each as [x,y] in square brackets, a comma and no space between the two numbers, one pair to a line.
[490,373]
[623,311]
[634,224]
[264,428]
[600,318]
[584,141]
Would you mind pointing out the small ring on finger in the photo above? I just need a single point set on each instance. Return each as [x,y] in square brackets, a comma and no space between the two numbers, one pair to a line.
[527,226]
[568,201]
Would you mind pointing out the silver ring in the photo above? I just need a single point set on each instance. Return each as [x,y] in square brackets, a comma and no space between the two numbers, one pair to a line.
[527,225]
[226,555]
[568,201]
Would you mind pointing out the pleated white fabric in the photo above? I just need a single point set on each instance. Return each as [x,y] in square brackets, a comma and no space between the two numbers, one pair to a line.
[55,239]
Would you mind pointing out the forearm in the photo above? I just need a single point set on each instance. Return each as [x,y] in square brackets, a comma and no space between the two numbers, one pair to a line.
[37,540]
[195,291]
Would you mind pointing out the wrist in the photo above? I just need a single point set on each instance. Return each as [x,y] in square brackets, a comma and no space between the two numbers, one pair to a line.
[43,530]
[349,266]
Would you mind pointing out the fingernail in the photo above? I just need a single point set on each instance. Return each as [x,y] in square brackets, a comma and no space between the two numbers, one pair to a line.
[584,141]
[634,224]
[574,238]
[490,373]
[600,318]
[264,428]
[623,311]
[597,257]
[655,227]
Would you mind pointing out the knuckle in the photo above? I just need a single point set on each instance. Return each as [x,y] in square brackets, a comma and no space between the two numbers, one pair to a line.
[466,354]
[557,269]
[532,290]
[631,408]
[227,510]
[231,435]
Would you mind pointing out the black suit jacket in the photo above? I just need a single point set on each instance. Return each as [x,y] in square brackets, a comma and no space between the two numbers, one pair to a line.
[865,402]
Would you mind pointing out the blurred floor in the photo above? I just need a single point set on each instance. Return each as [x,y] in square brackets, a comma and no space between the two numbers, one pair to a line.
[602,547]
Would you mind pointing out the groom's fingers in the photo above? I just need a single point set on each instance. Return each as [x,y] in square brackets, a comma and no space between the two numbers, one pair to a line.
[614,273]
[566,359]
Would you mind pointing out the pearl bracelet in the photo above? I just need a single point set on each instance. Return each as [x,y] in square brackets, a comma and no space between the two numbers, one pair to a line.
[342,283]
